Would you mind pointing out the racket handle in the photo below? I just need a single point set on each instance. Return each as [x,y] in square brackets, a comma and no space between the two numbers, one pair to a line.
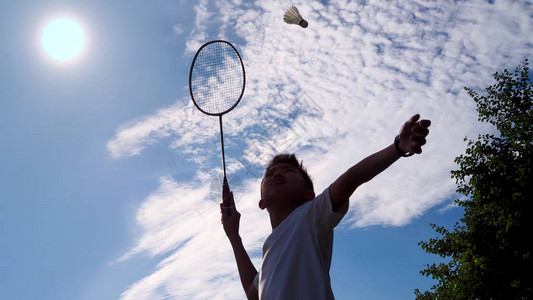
[226,195]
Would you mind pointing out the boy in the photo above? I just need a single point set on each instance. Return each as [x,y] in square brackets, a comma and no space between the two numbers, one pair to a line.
[297,254]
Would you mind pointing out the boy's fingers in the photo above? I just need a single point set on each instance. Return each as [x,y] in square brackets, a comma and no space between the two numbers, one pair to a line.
[419,139]
[425,123]
[224,211]
[227,209]
[420,130]
[408,126]
[416,149]
[414,132]
[413,119]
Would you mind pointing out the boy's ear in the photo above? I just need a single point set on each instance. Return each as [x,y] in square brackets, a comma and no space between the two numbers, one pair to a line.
[309,195]
[262,204]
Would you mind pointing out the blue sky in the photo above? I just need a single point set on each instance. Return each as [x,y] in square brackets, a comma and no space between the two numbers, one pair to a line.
[108,173]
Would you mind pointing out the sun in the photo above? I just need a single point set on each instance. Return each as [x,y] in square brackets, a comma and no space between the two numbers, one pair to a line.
[63,39]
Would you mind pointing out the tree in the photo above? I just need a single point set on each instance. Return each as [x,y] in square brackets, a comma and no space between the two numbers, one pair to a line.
[489,253]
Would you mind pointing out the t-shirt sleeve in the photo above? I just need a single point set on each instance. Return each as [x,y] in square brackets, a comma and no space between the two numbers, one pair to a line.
[322,211]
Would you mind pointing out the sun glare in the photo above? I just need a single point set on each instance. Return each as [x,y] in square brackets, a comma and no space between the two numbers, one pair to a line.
[63,39]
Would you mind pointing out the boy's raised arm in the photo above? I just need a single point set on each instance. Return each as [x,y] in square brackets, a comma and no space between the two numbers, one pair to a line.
[411,138]
[230,220]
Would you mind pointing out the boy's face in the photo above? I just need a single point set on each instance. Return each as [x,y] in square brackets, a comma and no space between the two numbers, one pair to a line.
[283,182]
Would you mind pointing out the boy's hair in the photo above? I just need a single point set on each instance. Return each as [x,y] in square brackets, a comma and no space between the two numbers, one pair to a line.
[292,160]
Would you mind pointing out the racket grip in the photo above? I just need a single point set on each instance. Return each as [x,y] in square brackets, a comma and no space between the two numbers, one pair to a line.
[226,195]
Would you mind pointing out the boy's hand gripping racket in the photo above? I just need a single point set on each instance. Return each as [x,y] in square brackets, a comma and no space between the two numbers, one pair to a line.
[216,84]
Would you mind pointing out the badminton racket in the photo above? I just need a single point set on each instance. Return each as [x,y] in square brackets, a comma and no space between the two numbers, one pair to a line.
[216,84]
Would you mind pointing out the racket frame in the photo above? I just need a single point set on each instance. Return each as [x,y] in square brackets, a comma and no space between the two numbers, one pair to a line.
[243,78]
[221,113]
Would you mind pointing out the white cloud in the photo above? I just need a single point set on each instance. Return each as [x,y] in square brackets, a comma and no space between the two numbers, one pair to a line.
[199,33]
[334,93]
[183,122]
[178,30]
[182,222]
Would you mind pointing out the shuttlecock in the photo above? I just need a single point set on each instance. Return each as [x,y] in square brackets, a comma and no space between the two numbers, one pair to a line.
[292,16]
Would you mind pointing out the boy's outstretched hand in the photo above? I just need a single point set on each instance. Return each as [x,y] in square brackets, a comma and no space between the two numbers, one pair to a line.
[413,134]
[230,216]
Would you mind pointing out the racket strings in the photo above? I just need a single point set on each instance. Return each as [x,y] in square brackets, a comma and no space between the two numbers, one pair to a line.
[217,78]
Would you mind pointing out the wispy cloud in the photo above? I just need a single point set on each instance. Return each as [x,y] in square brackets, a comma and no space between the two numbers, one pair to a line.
[199,34]
[334,92]
[177,29]
[186,127]
[182,222]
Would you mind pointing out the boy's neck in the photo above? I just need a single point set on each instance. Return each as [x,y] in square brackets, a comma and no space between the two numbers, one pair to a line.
[278,217]
[279,214]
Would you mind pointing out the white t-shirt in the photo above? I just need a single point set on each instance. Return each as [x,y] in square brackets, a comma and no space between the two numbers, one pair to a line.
[297,254]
